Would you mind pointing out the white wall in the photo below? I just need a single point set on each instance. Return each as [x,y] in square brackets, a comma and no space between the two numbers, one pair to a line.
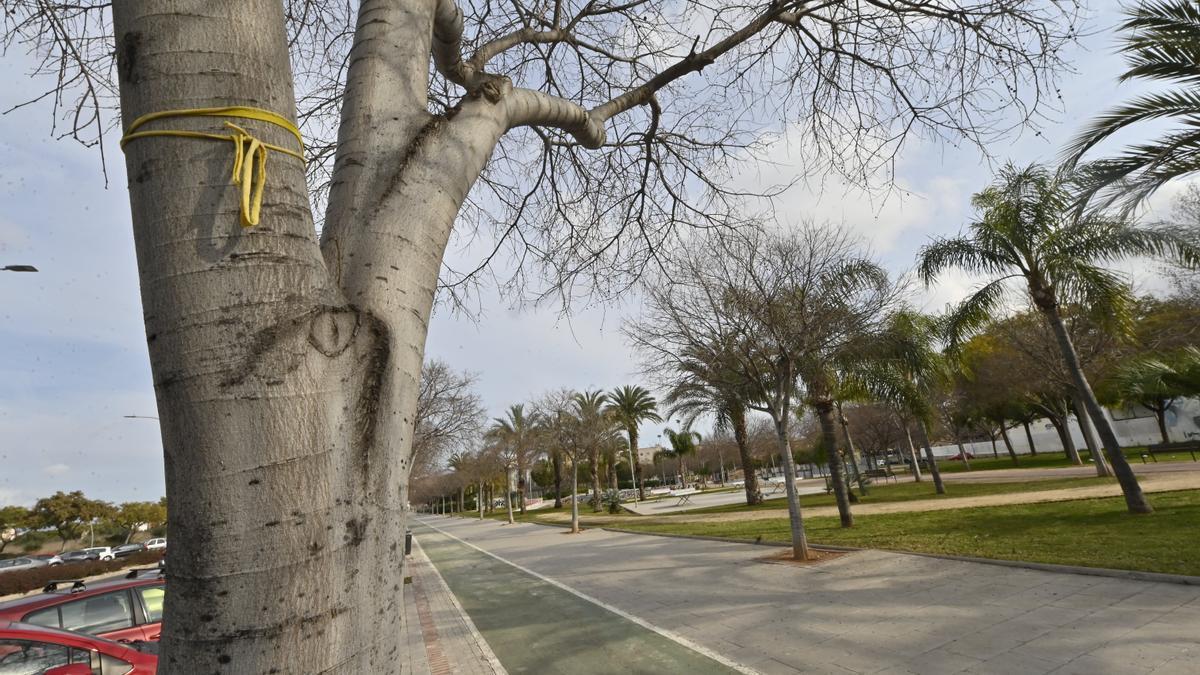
[1140,429]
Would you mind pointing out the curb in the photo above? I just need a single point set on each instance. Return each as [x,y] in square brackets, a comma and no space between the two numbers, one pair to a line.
[1134,575]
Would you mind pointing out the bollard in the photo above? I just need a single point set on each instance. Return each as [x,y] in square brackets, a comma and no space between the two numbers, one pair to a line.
[408,542]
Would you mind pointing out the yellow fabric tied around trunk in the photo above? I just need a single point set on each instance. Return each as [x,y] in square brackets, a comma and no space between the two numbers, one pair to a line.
[250,153]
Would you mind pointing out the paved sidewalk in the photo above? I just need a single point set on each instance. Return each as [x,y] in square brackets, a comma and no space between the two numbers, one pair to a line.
[439,637]
[866,612]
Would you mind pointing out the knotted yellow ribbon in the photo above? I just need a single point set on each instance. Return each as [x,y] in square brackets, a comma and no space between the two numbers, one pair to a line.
[250,153]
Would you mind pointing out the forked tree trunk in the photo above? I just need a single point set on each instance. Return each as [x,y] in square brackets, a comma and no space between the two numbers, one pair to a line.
[1134,499]
[753,494]
[1064,437]
[923,434]
[824,410]
[1089,436]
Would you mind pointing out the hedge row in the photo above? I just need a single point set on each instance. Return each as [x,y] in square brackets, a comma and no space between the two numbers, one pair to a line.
[34,579]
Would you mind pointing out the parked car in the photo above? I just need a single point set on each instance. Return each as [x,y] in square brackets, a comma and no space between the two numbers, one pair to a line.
[101,552]
[156,544]
[50,558]
[17,564]
[49,651]
[125,610]
[77,556]
[128,549]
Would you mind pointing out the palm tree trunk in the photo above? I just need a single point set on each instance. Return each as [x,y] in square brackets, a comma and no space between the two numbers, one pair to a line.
[479,498]
[923,433]
[574,495]
[556,460]
[595,475]
[912,453]
[795,518]
[508,492]
[1008,443]
[521,486]
[824,410]
[636,464]
[462,499]
[1089,436]
[753,494]
[862,483]
[1029,437]
[1134,499]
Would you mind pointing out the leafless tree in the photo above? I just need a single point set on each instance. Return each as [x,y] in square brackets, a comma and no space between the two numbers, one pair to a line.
[449,416]
[576,138]
[770,312]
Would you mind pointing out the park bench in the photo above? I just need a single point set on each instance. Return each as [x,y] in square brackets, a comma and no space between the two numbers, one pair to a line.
[884,473]
[684,495]
[660,492]
[777,483]
[1189,447]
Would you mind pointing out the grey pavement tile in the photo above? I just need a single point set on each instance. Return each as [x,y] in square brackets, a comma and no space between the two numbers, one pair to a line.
[1184,665]
[1098,665]
[983,646]
[773,667]
[941,662]
[1014,663]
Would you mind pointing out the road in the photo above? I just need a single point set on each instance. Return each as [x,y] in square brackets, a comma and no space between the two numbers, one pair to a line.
[866,612]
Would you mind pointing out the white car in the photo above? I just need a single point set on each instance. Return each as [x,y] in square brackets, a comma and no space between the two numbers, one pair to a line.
[156,544]
[103,552]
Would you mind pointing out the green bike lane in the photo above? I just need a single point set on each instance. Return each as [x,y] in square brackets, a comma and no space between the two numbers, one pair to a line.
[536,625]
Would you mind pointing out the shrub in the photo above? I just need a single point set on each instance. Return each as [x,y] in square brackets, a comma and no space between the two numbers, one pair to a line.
[36,578]
[612,500]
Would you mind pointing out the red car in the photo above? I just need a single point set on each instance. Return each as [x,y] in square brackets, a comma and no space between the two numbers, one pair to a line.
[126,610]
[48,651]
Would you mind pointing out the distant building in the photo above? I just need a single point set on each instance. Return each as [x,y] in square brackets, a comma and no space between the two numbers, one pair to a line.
[646,455]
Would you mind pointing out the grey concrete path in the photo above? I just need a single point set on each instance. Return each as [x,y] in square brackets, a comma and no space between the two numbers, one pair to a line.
[1088,471]
[700,501]
[866,612]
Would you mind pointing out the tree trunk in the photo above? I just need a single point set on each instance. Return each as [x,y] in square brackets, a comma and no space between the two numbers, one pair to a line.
[1160,414]
[508,493]
[753,494]
[795,517]
[595,469]
[556,460]
[824,410]
[850,449]
[635,465]
[1064,437]
[1012,453]
[575,494]
[923,434]
[521,486]
[962,452]
[1029,437]
[1089,436]
[995,452]
[1134,499]
[912,453]
[479,499]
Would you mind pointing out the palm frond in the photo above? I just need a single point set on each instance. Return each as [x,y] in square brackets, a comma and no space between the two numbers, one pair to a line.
[945,253]
[975,311]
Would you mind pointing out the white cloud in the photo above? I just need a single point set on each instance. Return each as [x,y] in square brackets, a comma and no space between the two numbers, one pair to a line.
[56,469]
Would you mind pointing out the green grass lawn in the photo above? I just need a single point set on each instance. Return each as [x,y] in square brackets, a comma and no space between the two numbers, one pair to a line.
[1087,532]
[904,492]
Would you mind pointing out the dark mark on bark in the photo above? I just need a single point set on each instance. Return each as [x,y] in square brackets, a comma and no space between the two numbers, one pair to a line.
[127,56]
[356,530]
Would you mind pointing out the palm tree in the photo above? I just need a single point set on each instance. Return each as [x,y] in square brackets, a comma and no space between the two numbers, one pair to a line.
[702,391]
[596,430]
[1161,42]
[517,431]
[1155,382]
[460,463]
[630,406]
[683,443]
[1028,232]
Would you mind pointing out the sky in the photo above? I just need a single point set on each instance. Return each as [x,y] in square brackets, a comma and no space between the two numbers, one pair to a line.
[73,358]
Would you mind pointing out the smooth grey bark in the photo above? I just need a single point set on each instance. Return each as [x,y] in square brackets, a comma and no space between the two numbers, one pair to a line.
[1064,437]
[837,477]
[574,496]
[1029,437]
[594,468]
[851,450]
[635,464]
[923,436]
[1089,436]
[1135,501]
[795,521]
[479,499]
